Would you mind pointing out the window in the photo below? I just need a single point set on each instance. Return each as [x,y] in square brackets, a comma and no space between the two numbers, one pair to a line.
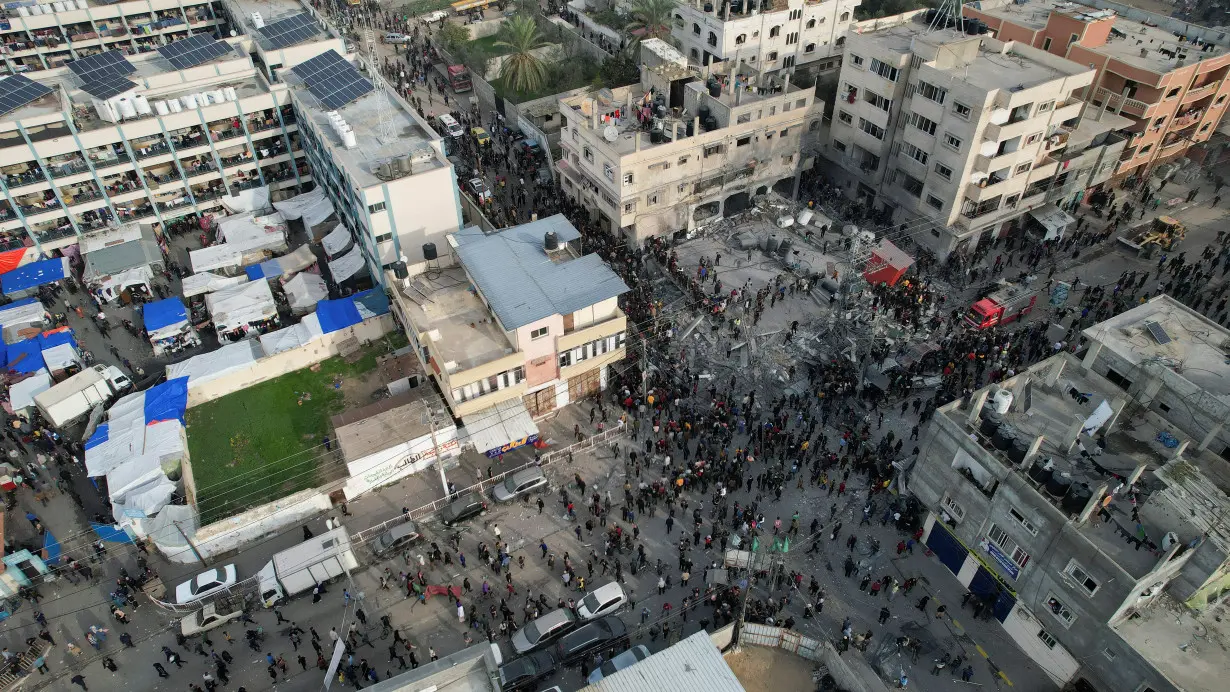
[373,208]
[876,100]
[771,56]
[1109,654]
[886,71]
[839,145]
[651,200]
[856,61]
[589,155]
[1046,106]
[811,24]
[740,39]
[910,184]
[743,141]
[913,152]
[1157,124]
[792,38]
[1173,92]
[1047,639]
[788,159]
[932,92]
[744,118]
[925,124]
[384,237]
[539,333]
[1046,45]
[796,14]
[1024,168]
[629,207]
[1014,552]
[1025,523]
[627,178]
[696,29]
[1061,612]
[952,508]
[935,203]
[845,17]
[609,171]
[1073,38]
[1033,139]
[713,150]
[712,39]
[943,171]
[952,142]
[659,166]
[788,61]
[1077,575]
[683,160]
[1145,149]
[871,128]
[773,33]
[811,48]
[961,110]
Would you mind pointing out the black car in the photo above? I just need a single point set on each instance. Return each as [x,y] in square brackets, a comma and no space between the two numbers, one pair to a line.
[605,633]
[465,507]
[523,672]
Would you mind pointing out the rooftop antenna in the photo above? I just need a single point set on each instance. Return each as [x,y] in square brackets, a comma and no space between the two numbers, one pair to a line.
[387,132]
[949,8]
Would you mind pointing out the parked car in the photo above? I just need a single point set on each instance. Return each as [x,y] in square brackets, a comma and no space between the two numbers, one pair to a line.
[204,584]
[530,148]
[479,189]
[579,643]
[544,630]
[544,176]
[603,600]
[465,507]
[392,37]
[522,673]
[520,483]
[206,619]
[435,16]
[480,136]
[396,538]
[626,659]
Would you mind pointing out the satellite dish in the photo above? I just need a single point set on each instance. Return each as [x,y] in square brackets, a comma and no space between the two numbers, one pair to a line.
[611,133]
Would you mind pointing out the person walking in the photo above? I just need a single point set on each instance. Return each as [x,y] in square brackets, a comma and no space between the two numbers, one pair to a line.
[79,680]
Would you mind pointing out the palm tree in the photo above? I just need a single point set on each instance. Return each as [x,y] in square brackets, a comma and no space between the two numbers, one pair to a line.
[522,71]
[652,19]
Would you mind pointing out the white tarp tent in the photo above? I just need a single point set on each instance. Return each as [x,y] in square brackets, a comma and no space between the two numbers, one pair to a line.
[240,305]
[61,357]
[208,282]
[243,240]
[313,207]
[252,199]
[337,242]
[292,337]
[208,366]
[21,394]
[347,265]
[25,315]
[304,291]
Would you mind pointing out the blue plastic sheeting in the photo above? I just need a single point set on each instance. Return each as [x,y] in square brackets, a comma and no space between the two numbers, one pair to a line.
[19,302]
[111,534]
[269,269]
[166,401]
[100,436]
[163,313]
[346,312]
[52,546]
[24,356]
[46,341]
[33,274]
[254,272]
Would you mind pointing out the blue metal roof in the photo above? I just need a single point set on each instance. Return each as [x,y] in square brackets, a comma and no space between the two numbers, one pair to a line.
[522,284]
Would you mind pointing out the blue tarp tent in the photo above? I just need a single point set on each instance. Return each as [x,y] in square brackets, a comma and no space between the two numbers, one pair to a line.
[163,313]
[345,312]
[52,546]
[100,436]
[254,272]
[47,340]
[34,274]
[166,401]
[111,534]
[24,356]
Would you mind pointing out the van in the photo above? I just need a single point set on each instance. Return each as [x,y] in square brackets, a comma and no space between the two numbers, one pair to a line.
[605,633]
[396,38]
[450,126]
[389,542]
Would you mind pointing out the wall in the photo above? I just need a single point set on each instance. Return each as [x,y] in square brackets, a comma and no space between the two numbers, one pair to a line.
[1168,23]
[236,531]
[398,461]
[288,361]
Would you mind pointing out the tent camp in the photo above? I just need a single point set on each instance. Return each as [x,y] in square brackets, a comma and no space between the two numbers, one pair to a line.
[208,282]
[22,319]
[120,259]
[338,242]
[166,322]
[24,279]
[282,267]
[312,207]
[241,308]
[347,266]
[304,291]
[241,240]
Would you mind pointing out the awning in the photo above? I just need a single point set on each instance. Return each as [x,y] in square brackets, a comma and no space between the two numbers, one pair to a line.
[33,275]
[347,265]
[208,282]
[337,242]
[505,426]
[1053,219]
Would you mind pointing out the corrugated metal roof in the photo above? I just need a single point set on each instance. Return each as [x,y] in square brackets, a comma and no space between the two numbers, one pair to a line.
[693,664]
[522,284]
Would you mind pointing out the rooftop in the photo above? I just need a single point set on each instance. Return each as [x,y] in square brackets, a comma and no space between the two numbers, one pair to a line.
[524,282]
[1189,649]
[447,308]
[694,663]
[472,669]
[372,429]
[1196,352]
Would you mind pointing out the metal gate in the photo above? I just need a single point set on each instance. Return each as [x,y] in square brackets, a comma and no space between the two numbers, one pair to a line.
[988,587]
[946,547]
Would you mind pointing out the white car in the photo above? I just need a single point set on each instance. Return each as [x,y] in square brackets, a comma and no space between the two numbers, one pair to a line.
[479,189]
[396,38]
[603,600]
[205,584]
[206,619]
[435,16]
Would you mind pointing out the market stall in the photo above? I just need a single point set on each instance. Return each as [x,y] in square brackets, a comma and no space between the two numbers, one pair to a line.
[121,263]
[168,328]
[304,291]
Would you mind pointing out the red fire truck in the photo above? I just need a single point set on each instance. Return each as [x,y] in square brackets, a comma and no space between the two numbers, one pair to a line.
[1004,302]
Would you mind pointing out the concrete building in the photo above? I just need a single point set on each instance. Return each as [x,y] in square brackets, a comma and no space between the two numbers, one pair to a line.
[1166,75]
[929,130]
[683,147]
[769,35]
[1076,515]
[514,324]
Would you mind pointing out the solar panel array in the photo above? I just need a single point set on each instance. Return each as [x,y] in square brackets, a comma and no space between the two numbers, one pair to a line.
[106,87]
[112,63]
[332,79]
[289,31]
[1158,332]
[194,50]
[18,90]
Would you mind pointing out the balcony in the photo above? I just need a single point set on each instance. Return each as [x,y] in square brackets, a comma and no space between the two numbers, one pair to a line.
[82,198]
[1198,92]
[981,209]
[39,208]
[22,179]
[247,184]
[1124,105]
[212,193]
[67,169]
[180,203]
[54,234]
[102,163]
[154,149]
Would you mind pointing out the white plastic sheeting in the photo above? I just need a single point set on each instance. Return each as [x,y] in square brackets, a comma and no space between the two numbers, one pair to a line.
[147,499]
[22,393]
[347,265]
[208,366]
[244,238]
[337,241]
[251,229]
[252,199]
[236,306]
[114,284]
[208,282]
[491,428]
[292,337]
[313,207]
[304,291]
[30,314]
[61,357]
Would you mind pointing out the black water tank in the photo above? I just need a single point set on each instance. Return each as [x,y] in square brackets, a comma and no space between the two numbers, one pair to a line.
[1058,486]
[1039,473]
[550,241]
[710,123]
[429,251]
[990,424]
[1018,449]
[702,112]
[715,88]
[1004,437]
[655,136]
[400,271]
[1077,498]
[691,128]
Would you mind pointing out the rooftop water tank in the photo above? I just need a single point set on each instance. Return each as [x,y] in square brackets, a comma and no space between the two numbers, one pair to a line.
[1058,486]
[57,6]
[189,101]
[429,251]
[258,21]
[162,108]
[350,140]
[988,148]
[175,106]
[230,94]
[550,241]
[1002,401]
[83,4]
[1077,498]
[771,243]
[784,249]
[1039,473]
[127,110]
[805,217]
[384,170]
[142,103]
[218,95]
[999,116]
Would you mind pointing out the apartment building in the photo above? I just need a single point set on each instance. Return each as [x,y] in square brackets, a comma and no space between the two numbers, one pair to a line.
[514,323]
[683,146]
[1168,76]
[43,35]
[1086,522]
[965,138]
[769,35]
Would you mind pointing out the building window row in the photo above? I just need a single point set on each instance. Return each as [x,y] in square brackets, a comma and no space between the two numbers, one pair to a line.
[504,380]
[592,349]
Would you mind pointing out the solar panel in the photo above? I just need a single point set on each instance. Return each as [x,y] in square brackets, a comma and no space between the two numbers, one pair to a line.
[104,87]
[332,79]
[112,63]
[289,31]
[1158,332]
[18,90]
[194,51]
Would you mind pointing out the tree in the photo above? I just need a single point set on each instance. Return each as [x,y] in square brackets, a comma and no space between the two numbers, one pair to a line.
[454,35]
[652,19]
[522,71]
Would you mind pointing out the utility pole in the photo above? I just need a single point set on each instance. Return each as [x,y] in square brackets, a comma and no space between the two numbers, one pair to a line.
[191,545]
[429,417]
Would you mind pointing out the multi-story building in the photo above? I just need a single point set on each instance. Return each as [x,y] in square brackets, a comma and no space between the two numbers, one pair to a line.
[514,324]
[769,35]
[683,147]
[38,36]
[1084,521]
[1167,75]
[962,137]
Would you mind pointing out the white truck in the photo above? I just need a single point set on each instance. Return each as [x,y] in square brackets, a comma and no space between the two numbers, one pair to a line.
[298,569]
[74,397]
